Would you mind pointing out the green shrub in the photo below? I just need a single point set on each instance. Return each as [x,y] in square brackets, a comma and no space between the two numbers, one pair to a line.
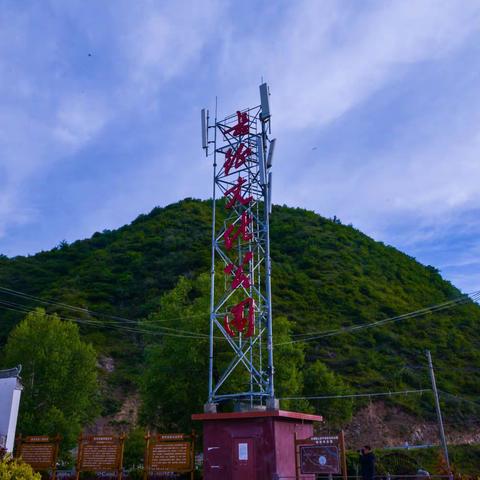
[11,469]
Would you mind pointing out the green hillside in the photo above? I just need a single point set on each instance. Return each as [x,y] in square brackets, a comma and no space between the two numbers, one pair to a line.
[325,276]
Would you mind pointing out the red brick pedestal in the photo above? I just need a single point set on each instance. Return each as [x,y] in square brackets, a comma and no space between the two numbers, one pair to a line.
[256,445]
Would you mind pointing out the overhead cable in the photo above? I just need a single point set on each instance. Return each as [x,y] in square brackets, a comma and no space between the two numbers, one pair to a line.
[355,395]
[9,291]
[309,337]
[458,398]
[181,334]
[461,299]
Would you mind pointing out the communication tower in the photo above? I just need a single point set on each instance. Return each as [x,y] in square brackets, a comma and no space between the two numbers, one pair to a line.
[240,297]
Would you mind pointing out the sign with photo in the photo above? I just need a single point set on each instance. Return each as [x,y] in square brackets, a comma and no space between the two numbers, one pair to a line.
[321,455]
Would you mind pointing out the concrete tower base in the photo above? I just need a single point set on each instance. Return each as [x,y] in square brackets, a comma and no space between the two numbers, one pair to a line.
[256,445]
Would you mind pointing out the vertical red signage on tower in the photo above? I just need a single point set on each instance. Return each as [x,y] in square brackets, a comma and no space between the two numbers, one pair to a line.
[241,317]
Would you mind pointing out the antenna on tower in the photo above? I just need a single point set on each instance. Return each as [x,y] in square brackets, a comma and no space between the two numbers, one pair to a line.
[264,102]
[204,114]
[269,192]
[271,151]
[261,160]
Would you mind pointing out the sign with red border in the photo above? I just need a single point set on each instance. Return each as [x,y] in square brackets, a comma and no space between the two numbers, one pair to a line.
[169,453]
[39,451]
[100,453]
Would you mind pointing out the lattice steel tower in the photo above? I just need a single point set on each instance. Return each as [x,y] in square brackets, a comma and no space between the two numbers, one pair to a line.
[240,301]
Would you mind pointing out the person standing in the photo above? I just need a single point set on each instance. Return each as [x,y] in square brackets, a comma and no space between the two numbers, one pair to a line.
[367,463]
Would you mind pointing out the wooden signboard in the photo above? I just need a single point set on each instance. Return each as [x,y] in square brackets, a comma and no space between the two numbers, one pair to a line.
[169,453]
[39,451]
[321,455]
[100,453]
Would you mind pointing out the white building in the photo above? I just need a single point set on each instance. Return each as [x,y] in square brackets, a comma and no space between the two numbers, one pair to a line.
[10,391]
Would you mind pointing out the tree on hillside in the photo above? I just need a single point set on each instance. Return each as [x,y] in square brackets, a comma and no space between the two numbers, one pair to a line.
[289,361]
[320,381]
[59,375]
[175,376]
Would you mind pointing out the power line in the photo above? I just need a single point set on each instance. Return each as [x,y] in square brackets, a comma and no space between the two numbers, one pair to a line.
[194,335]
[9,291]
[92,313]
[354,328]
[355,395]
[449,369]
[458,300]
[459,398]
[102,325]
[308,337]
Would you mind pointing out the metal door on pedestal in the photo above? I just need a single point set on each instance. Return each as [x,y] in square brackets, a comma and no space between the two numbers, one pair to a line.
[243,464]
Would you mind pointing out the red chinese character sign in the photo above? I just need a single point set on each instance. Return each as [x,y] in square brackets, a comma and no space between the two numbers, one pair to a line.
[241,300]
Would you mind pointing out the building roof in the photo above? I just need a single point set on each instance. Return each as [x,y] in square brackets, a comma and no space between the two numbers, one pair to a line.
[283,414]
[11,372]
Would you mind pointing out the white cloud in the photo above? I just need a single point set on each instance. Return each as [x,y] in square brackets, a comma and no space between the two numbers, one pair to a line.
[327,57]
[407,197]
[79,120]
[167,38]
[54,103]
[324,79]
[24,147]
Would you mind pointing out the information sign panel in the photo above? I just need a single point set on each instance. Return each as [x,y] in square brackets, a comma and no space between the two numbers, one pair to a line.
[100,453]
[319,459]
[172,453]
[39,451]
[320,455]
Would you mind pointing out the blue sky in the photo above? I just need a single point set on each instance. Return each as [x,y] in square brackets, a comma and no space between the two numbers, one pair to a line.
[375,105]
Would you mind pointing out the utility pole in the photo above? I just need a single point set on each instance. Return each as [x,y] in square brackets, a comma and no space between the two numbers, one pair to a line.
[439,411]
